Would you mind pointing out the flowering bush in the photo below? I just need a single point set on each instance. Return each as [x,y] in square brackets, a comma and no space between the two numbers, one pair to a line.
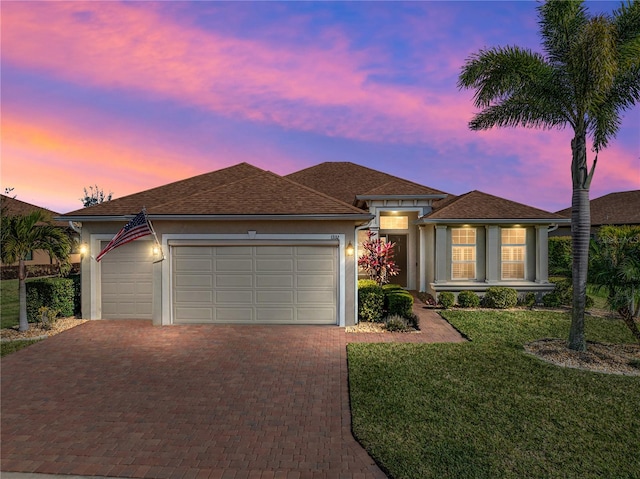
[377,260]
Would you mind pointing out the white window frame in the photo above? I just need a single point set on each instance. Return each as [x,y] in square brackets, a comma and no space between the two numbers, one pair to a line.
[522,245]
[465,245]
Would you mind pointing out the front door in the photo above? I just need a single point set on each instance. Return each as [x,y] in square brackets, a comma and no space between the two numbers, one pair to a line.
[400,258]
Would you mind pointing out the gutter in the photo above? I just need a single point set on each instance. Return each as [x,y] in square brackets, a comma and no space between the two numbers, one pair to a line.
[488,221]
[325,217]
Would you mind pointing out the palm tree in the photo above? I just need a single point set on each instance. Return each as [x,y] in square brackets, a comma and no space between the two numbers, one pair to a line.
[615,267]
[22,234]
[589,74]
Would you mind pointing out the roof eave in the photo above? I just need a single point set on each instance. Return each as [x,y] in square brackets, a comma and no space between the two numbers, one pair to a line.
[402,197]
[235,217]
[485,221]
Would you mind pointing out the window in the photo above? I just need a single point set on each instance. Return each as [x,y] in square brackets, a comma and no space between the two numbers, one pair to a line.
[29,256]
[394,222]
[513,252]
[463,253]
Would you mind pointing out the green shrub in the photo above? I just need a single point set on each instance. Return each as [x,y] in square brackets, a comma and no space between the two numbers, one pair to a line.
[370,301]
[54,293]
[562,295]
[446,299]
[399,302]
[392,287]
[529,299]
[396,323]
[560,255]
[499,297]
[468,299]
[47,318]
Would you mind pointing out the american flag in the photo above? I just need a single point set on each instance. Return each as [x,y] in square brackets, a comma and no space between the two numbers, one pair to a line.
[134,229]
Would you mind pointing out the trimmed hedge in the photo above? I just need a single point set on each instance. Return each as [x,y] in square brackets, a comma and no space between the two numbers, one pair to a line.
[468,299]
[54,293]
[370,301]
[399,302]
[499,297]
[446,299]
[560,255]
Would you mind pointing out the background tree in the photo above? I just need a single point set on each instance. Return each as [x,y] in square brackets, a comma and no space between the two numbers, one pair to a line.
[589,74]
[19,235]
[94,196]
[377,259]
[615,267]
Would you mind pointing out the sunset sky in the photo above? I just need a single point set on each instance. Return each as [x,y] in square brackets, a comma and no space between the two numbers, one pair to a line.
[134,95]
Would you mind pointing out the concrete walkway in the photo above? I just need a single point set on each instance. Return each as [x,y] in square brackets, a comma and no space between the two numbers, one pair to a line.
[126,399]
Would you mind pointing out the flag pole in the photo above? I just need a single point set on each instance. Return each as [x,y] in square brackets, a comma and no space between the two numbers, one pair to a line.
[153,231]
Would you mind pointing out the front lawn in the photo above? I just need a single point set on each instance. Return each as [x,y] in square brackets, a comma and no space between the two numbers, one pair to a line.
[9,347]
[485,409]
[10,303]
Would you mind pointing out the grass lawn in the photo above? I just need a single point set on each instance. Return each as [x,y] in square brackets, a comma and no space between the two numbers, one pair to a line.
[485,409]
[13,346]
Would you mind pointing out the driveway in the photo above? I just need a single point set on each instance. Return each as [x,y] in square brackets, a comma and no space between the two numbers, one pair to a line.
[126,399]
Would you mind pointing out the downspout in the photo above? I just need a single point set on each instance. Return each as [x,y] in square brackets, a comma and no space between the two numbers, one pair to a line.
[552,228]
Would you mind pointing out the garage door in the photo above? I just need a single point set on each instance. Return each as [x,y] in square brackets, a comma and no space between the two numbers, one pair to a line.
[255,284]
[126,274]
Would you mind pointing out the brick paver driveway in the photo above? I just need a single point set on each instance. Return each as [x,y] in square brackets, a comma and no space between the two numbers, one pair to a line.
[124,398]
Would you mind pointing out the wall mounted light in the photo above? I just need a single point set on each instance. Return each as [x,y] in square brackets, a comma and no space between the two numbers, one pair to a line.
[84,249]
[350,250]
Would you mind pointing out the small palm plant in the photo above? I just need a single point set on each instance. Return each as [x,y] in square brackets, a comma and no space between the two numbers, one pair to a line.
[615,267]
[22,234]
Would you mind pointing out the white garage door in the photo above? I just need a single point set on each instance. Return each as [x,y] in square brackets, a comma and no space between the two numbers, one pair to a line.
[126,274]
[255,284]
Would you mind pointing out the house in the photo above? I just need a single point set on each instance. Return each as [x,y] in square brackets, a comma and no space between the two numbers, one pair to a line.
[616,209]
[244,245]
[38,262]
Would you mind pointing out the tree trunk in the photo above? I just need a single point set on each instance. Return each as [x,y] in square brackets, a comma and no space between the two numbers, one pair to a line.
[627,317]
[580,236]
[22,294]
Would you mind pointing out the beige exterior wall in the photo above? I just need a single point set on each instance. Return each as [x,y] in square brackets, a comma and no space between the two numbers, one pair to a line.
[93,233]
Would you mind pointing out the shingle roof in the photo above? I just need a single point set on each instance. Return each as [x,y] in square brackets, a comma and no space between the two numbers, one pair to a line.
[262,194]
[621,208]
[238,190]
[345,180]
[132,204]
[478,205]
[12,206]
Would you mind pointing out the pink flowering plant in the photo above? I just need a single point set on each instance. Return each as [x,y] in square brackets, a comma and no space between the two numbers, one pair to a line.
[377,260]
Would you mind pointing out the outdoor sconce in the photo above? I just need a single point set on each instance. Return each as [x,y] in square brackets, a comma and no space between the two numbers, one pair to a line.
[84,249]
[350,249]
[158,254]
[156,250]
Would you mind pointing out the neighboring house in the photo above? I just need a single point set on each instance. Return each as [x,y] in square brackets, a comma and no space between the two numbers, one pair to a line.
[38,259]
[245,245]
[617,209]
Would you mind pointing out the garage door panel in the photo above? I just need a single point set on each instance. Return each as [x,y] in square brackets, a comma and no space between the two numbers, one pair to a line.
[249,284]
[234,265]
[275,315]
[194,296]
[275,281]
[194,280]
[315,297]
[274,265]
[193,265]
[126,281]
[274,297]
[234,297]
[234,281]
[321,265]
[234,315]
[320,281]
[194,315]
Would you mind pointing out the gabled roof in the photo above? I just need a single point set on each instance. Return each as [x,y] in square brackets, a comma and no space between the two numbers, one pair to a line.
[132,204]
[239,190]
[345,181]
[477,205]
[621,208]
[13,207]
